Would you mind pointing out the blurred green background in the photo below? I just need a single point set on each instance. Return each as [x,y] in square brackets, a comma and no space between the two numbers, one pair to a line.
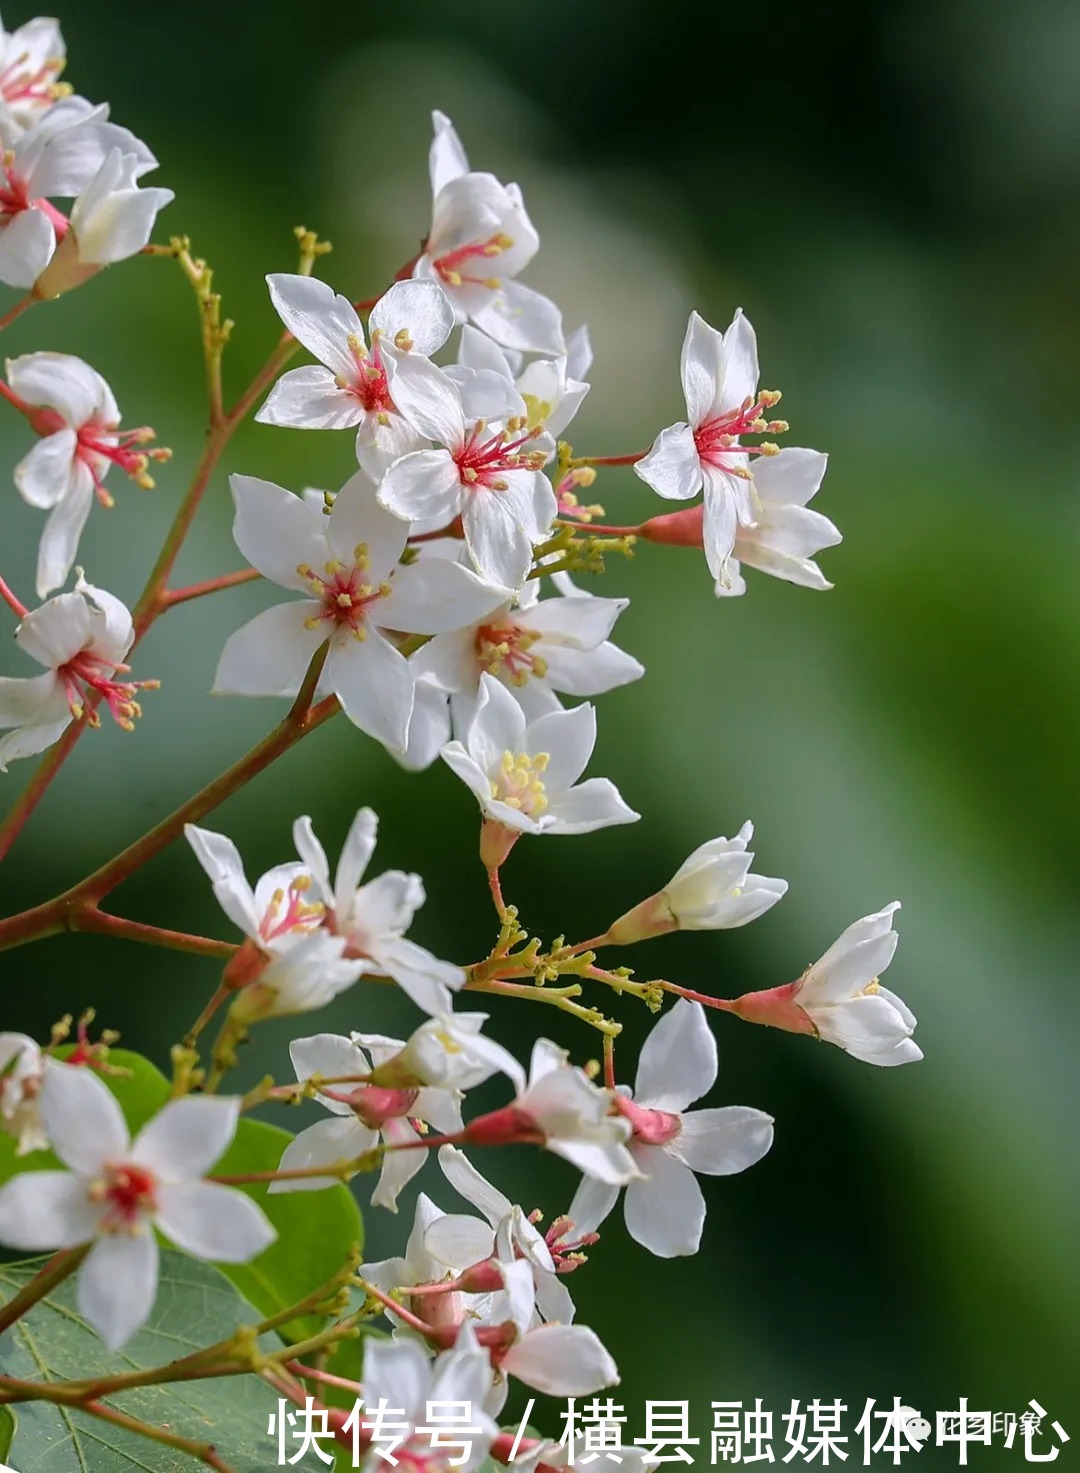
[892,195]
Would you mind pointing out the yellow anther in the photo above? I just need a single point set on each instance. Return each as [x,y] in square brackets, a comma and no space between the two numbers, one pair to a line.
[402,340]
[452,278]
[360,555]
[492,283]
[355,344]
[768,447]
[312,623]
[334,567]
[539,410]
[360,634]
[519,784]
[383,418]
[344,600]
[768,397]
[469,474]
[778,427]
[384,590]
[502,241]
[872,988]
[499,485]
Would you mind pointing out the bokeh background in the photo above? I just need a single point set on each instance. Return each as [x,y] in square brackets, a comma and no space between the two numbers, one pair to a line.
[891,192]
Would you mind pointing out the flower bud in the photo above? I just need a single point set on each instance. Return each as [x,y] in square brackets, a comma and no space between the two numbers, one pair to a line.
[713,891]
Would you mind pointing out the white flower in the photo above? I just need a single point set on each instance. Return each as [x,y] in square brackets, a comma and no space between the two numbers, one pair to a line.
[362,1114]
[347,564]
[557,1359]
[111,219]
[118,1191]
[73,410]
[399,1376]
[419,1267]
[847,1005]
[453,1238]
[525,774]
[486,474]
[290,963]
[664,1208]
[719,378]
[712,891]
[481,238]
[451,1052]
[551,393]
[56,159]
[351,389]
[22,1067]
[786,533]
[561,1110]
[82,639]
[31,60]
[373,918]
[535,648]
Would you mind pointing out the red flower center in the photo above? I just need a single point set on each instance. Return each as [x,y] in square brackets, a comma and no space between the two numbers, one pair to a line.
[345,597]
[128,1190]
[88,673]
[717,439]
[503,650]
[483,458]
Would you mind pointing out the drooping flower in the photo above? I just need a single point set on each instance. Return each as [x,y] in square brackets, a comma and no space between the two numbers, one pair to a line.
[290,962]
[362,1114]
[525,774]
[506,1232]
[22,1068]
[664,1207]
[111,219]
[840,999]
[420,1269]
[480,239]
[31,60]
[485,473]
[713,890]
[348,565]
[563,1111]
[118,1191]
[349,388]
[373,918]
[72,408]
[398,1375]
[450,1051]
[536,648]
[719,378]
[786,534]
[82,639]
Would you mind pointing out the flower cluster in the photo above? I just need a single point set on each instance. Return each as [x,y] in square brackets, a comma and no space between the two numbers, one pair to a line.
[430,601]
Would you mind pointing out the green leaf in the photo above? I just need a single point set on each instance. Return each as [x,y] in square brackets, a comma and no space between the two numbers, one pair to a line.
[315,1230]
[7,1430]
[196,1306]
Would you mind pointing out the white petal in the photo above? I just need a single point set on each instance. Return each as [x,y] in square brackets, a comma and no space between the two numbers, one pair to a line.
[358,519]
[740,364]
[721,1142]
[117,1285]
[568,739]
[333,1057]
[46,474]
[422,485]
[355,857]
[419,308]
[65,383]
[31,701]
[562,1360]
[276,531]
[427,397]
[397,1373]
[665,1213]
[446,158]
[28,741]
[518,317]
[322,1144]
[399,1167]
[592,1203]
[678,1062]
[468,1183]
[469,771]
[213,1221]
[270,654]
[382,438]
[374,684]
[84,1123]
[309,398]
[221,860]
[497,727]
[59,545]
[434,596]
[319,318]
[593,804]
[56,632]
[500,548]
[718,524]
[420,975]
[701,369]
[459,1241]
[672,467]
[46,1209]
[791,478]
[313,857]
[187,1136]
[27,245]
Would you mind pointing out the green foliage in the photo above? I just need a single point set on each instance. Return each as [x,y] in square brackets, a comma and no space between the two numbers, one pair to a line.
[8,1425]
[196,1307]
[300,1259]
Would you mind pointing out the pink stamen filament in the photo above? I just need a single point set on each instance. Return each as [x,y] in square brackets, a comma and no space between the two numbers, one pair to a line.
[447,265]
[479,461]
[345,598]
[299,913]
[87,673]
[717,439]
